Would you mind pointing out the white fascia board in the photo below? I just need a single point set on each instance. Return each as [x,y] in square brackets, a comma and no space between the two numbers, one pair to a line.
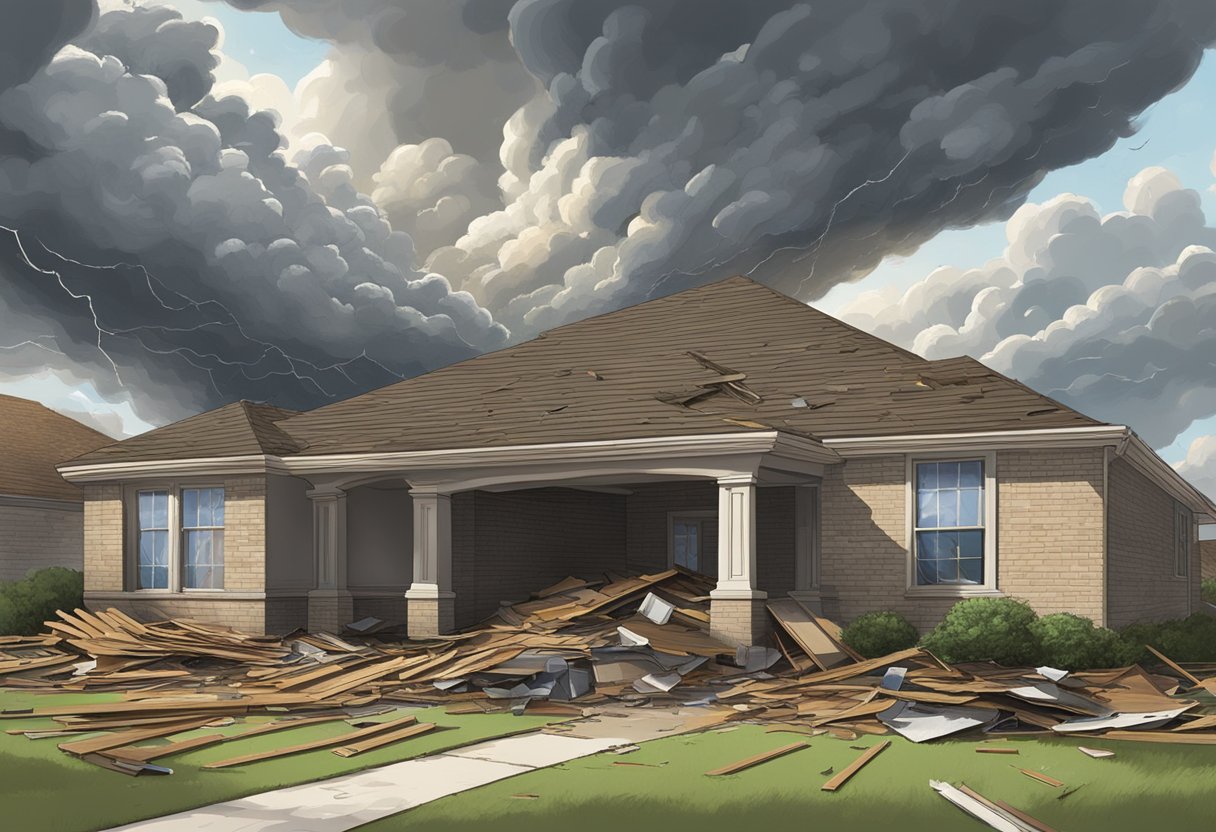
[207,466]
[1089,436]
[617,450]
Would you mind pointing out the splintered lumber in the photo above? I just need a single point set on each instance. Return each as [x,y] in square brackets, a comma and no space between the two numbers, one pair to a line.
[996,751]
[328,742]
[1162,736]
[142,754]
[855,766]
[382,740]
[807,634]
[1172,665]
[1042,778]
[120,738]
[757,759]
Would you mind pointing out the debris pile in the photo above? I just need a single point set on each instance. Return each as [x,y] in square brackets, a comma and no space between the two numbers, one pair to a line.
[571,649]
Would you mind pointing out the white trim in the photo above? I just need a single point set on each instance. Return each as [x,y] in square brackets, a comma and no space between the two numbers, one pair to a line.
[985,441]
[176,530]
[203,466]
[990,585]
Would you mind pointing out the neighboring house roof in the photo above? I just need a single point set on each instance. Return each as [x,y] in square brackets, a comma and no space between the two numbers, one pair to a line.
[238,429]
[737,354]
[33,440]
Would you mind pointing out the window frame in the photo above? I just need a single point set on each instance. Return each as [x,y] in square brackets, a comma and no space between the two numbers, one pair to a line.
[672,518]
[1184,537]
[990,585]
[177,537]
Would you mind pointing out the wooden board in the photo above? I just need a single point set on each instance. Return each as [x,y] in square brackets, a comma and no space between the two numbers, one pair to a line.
[381,740]
[807,634]
[757,759]
[121,738]
[328,742]
[1172,665]
[142,754]
[855,766]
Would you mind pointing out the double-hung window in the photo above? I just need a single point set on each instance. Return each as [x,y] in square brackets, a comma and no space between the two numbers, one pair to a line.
[950,523]
[693,542]
[179,535]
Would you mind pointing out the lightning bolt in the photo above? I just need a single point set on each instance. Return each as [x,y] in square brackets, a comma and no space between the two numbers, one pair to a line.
[87,298]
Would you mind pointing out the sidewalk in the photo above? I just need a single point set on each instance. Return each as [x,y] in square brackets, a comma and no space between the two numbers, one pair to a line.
[345,802]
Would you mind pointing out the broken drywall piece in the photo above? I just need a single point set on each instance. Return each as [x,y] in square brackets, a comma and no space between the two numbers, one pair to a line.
[631,639]
[1152,719]
[657,683]
[981,810]
[756,658]
[656,609]
[1052,673]
[1052,694]
[450,684]
[1097,753]
[920,722]
[893,679]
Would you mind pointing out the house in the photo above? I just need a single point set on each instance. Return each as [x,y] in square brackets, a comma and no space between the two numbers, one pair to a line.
[727,429]
[41,515]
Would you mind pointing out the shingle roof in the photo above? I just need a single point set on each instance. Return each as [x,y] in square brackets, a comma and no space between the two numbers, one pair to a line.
[238,429]
[616,375]
[33,440]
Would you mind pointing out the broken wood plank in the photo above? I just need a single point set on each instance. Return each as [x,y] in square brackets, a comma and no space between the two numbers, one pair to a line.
[1042,778]
[382,740]
[807,634]
[996,751]
[143,754]
[757,759]
[120,738]
[853,767]
[1174,666]
[1193,738]
[328,742]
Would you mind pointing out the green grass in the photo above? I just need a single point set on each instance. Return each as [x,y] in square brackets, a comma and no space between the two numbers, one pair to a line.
[44,790]
[1143,787]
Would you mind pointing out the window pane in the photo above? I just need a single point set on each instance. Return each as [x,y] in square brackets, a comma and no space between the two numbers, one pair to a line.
[972,570]
[971,474]
[947,509]
[926,510]
[217,506]
[154,509]
[926,476]
[971,544]
[189,507]
[947,475]
[969,508]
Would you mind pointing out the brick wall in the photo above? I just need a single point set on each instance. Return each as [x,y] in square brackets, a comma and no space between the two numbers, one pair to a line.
[506,545]
[104,567]
[245,533]
[1050,535]
[1143,586]
[35,537]
[1051,541]
[246,615]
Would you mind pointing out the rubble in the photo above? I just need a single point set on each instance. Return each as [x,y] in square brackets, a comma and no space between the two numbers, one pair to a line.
[578,648]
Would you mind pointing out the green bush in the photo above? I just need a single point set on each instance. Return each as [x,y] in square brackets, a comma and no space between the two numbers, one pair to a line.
[986,629]
[1209,590]
[1072,642]
[879,633]
[1190,639]
[26,603]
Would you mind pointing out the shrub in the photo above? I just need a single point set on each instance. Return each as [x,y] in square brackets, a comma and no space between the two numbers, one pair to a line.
[1190,639]
[26,603]
[879,633]
[1209,590]
[986,629]
[1072,642]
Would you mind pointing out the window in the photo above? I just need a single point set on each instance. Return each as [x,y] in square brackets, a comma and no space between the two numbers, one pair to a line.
[153,540]
[949,523]
[693,542]
[1184,527]
[203,527]
[179,538]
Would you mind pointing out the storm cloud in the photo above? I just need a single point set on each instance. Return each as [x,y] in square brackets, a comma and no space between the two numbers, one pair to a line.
[461,172]
[1115,314]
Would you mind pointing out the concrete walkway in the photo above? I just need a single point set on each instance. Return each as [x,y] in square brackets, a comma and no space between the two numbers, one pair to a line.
[354,799]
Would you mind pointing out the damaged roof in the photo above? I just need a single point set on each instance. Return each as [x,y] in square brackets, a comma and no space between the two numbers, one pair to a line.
[724,357]
[34,440]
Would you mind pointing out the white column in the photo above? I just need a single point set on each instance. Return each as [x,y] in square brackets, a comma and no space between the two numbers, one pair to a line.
[806,546]
[737,539]
[330,605]
[432,544]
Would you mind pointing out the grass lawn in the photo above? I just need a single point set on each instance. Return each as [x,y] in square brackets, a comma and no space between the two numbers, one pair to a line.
[44,790]
[1145,787]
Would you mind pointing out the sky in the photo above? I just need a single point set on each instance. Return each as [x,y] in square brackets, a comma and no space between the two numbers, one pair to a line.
[1034,188]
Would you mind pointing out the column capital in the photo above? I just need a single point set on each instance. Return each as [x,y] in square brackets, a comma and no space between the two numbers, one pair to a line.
[732,480]
[325,492]
[434,491]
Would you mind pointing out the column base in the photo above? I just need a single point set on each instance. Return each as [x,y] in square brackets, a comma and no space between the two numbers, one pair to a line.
[740,622]
[329,610]
[430,614]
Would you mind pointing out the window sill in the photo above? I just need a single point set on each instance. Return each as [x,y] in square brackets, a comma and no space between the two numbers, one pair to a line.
[952,592]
